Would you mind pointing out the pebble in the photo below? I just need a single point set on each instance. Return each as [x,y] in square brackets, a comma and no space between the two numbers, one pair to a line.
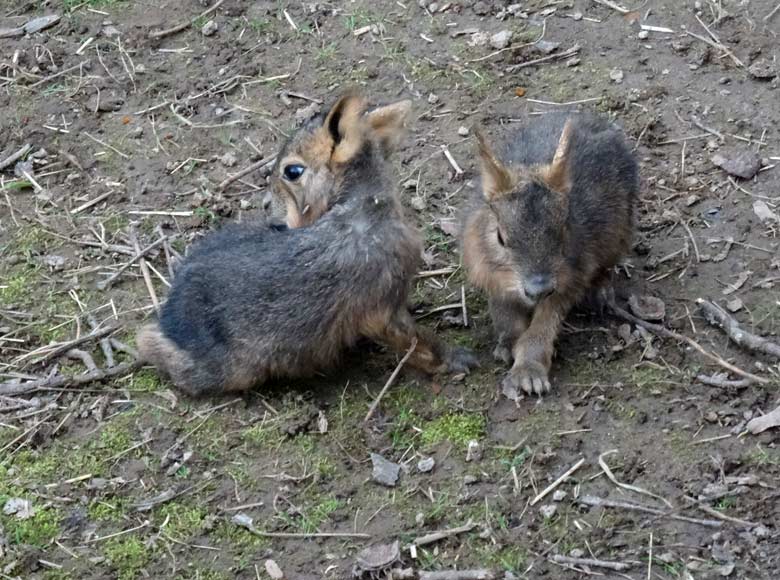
[228,159]
[110,31]
[470,479]
[744,164]
[426,464]
[548,511]
[616,75]
[573,61]
[385,472]
[559,495]
[643,34]
[577,16]
[463,131]
[210,28]
[763,69]
[501,39]
[433,99]
[734,305]
[273,570]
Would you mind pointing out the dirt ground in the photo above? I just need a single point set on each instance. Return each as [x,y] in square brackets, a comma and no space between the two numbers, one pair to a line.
[130,137]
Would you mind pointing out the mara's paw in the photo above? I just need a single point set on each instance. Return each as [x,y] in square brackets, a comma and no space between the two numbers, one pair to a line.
[461,360]
[529,376]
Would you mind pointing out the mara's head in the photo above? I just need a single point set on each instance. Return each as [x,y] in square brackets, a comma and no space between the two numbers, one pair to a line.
[517,239]
[311,166]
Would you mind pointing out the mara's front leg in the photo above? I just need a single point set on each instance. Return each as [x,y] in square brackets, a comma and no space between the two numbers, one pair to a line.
[510,320]
[533,351]
[397,330]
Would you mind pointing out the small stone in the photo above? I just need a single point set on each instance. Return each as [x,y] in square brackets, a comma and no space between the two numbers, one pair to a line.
[577,16]
[501,39]
[433,99]
[548,511]
[245,204]
[577,553]
[546,46]
[734,305]
[763,69]
[616,75]
[559,495]
[474,451]
[105,103]
[463,131]
[643,34]
[433,7]
[514,9]
[573,61]
[426,464]
[647,307]
[481,8]
[692,200]
[110,31]
[417,203]
[273,570]
[136,133]
[22,509]
[54,261]
[385,472]
[711,417]
[470,479]
[744,163]
[419,519]
[410,184]
[764,212]
[228,159]
[479,39]
[210,28]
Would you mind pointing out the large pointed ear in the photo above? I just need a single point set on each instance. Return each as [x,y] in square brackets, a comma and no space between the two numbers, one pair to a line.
[496,178]
[387,123]
[557,175]
[343,123]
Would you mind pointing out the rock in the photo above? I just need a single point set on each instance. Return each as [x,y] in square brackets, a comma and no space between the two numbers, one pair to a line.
[643,34]
[110,31]
[426,464]
[616,75]
[385,472]
[474,451]
[463,131]
[548,511]
[228,159]
[210,28]
[734,305]
[546,46]
[573,61]
[22,509]
[577,16]
[378,557]
[763,69]
[725,569]
[559,495]
[54,261]
[577,553]
[647,307]
[479,39]
[273,570]
[433,7]
[501,39]
[419,519]
[410,184]
[470,479]
[744,164]
[764,213]
[433,99]
[481,8]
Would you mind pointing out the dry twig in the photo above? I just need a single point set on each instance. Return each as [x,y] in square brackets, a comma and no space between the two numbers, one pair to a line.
[594,501]
[558,481]
[617,566]
[390,381]
[61,381]
[718,317]
[443,534]
[184,25]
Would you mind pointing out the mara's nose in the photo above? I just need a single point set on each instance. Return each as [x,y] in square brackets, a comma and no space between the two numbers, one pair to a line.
[538,286]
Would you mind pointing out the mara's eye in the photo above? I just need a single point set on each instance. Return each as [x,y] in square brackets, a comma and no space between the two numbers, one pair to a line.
[500,237]
[293,172]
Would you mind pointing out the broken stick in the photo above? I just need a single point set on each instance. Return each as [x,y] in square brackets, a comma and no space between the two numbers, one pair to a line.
[718,317]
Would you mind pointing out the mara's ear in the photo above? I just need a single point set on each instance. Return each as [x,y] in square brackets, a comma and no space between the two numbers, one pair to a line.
[343,124]
[387,123]
[557,175]
[496,178]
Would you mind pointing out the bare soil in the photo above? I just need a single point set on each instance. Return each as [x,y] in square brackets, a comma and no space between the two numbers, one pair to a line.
[156,124]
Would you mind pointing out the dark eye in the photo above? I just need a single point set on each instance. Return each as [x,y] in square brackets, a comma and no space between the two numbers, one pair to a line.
[501,240]
[293,172]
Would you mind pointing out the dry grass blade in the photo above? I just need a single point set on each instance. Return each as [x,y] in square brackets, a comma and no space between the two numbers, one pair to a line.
[608,472]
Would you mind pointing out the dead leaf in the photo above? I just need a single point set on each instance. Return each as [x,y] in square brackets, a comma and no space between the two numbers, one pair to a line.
[761,424]
[520,92]
[322,423]
[449,226]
